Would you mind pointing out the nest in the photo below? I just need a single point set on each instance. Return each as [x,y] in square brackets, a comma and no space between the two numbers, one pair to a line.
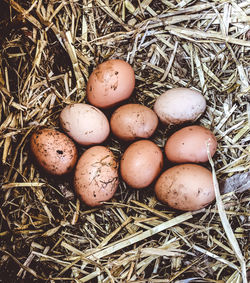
[48,50]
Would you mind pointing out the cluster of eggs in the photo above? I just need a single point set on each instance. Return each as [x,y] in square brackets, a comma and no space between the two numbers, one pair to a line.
[186,186]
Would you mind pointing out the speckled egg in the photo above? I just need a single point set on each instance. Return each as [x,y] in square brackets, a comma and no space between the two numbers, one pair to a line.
[96,175]
[179,105]
[190,145]
[141,163]
[84,123]
[55,152]
[110,83]
[185,187]
[132,121]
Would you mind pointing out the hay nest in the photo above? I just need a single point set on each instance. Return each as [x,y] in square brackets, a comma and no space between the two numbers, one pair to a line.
[48,50]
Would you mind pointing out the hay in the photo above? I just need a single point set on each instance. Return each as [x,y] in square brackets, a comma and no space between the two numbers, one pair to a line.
[48,49]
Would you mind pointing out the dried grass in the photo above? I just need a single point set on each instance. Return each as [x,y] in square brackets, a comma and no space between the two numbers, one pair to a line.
[49,48]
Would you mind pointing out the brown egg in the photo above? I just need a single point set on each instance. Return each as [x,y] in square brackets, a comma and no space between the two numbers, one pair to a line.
[54,151]
[185,187]
[132,121]
[96,175]
[110,83]
[141,163]
[84,123]
[179,105]
[190,145]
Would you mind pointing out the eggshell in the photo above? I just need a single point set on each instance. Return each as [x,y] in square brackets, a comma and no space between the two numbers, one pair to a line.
[179,105]
[141,163]
[54,151]
[84,123]
[110,83]
[96,175]
[132,121]
[190,145]
[185,187]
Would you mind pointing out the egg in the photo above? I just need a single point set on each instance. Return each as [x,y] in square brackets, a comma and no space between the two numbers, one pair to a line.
[84,123]
[179,105]
[141,163]
[190,145]
[185,187]
[96,176]
[132,121]
[110,83]
[55,152]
